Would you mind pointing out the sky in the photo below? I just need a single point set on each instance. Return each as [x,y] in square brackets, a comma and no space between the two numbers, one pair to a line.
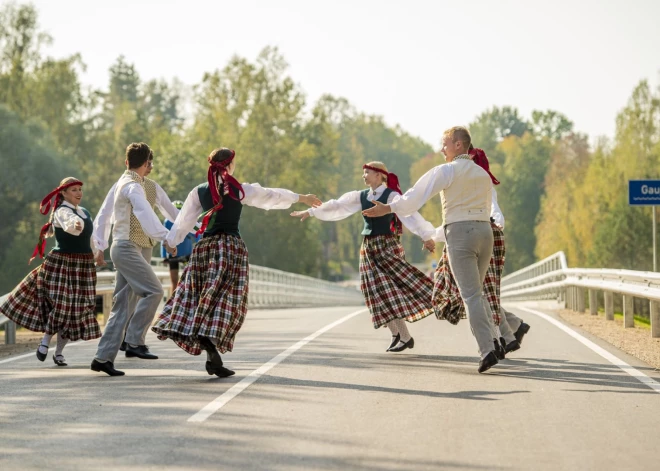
[425,65]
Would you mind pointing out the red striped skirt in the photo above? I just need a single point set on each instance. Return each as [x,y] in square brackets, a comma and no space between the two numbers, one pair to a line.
[393,289]
[211,297]
[59,296]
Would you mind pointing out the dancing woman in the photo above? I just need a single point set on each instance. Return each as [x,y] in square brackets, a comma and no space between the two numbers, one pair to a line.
[394,290]
[209,304]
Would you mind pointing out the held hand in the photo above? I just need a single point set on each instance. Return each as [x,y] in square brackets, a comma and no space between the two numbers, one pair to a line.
[310,200]
[99,259]
[429,245]
[78,226]
[300,214]
[170,250]
[379,209]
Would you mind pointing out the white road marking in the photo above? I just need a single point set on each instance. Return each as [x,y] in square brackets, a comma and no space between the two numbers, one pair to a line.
[215,405]
[635,373]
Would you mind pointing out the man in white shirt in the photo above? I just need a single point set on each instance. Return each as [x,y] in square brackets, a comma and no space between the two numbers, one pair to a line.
[466,203]
[136,226]
[157,198]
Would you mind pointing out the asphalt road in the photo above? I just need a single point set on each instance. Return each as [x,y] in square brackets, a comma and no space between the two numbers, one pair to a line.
[304,398]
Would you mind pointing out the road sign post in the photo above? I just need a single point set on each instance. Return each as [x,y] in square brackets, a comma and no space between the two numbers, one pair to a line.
[646,193]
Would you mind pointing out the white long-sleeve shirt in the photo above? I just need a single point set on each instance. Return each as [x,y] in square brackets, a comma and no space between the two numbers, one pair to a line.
[495,213]
[255,195]
[349,204]
[66,220]
[429,185]
[105,217]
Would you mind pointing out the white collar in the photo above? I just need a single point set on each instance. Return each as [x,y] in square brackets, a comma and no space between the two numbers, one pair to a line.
[66,203]
[378,190]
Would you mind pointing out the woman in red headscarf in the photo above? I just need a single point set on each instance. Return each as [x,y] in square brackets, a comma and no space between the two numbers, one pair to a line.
[394,290]
[209,304]
[59,296]
[447,300]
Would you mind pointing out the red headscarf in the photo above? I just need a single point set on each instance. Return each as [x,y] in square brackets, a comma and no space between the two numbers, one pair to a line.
[219,169]
[52,200]
[479,158]
[393,184]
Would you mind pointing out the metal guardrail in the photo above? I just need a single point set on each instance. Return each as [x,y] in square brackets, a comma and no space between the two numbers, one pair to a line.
[551,279]
[269,288]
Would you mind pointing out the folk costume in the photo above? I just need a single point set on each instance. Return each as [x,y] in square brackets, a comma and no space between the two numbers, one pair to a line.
[59,296]
[135,229]
[394,290]
[466,194]
[208,306]
[136,330]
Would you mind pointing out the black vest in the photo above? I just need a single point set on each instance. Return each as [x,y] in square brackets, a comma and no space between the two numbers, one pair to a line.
[69,243]
[225,220]
[376,226]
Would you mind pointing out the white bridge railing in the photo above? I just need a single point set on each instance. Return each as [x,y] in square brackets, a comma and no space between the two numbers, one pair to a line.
[268,288]
[551,279]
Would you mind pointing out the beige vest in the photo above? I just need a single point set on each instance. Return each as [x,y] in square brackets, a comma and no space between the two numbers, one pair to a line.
[126,225]
[469,197]
[136,234]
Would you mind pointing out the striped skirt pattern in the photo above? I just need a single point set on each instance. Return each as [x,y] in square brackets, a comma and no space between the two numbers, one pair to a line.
[211,297]
[393,289]
[59,296]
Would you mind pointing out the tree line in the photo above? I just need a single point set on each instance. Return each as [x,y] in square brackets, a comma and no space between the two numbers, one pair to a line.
[556,193]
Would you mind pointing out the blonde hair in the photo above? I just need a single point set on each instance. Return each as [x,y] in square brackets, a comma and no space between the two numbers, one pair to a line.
[68,180]
[51,229]
[381,166]
[459,133]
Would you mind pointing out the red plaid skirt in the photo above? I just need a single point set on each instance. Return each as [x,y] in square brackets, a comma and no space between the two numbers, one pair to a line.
[392,288]
[59,296]
[211,297]
[447,300]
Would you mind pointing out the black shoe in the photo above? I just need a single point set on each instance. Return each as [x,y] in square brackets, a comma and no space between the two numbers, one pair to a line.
[395,340]
[488,362]
[61,362]
[218,370]
[512,346]
[499,351]
[141,351]
[401,346]
[106,367]
[520,333]
[123,347]
[42,356]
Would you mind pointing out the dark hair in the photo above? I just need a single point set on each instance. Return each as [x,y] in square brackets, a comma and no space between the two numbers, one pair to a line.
[218,155]
[137,154]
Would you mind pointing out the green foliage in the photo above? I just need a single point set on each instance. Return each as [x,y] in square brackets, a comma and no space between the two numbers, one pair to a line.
[556,193]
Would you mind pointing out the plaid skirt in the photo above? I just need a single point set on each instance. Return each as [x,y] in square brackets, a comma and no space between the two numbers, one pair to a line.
[447,301]
[59,296]
[211,297]
[393,289]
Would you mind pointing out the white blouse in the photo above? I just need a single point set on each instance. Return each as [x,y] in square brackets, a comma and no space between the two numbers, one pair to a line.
[349,203]
[255,195]
[66,220]
[495,213]
[105,217]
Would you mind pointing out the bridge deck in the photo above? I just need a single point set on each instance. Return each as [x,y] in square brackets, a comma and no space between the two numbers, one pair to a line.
[338,402]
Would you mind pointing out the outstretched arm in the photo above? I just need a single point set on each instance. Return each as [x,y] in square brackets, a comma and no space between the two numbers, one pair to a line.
[274,198]
[430,184]
[335,209]
[185,221]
